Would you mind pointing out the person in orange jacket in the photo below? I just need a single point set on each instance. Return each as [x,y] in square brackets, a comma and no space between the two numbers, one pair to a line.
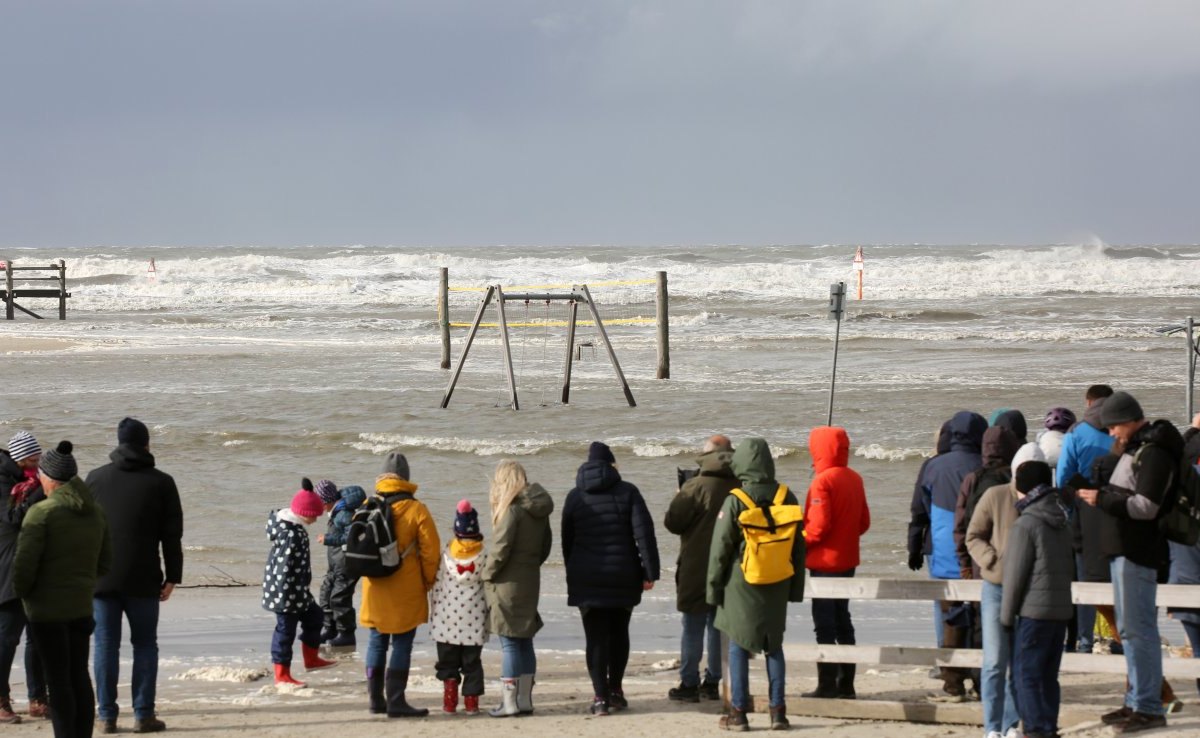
[835,517]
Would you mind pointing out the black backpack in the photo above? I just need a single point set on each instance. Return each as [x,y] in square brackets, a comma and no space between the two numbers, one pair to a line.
[1179,516]
[371,547]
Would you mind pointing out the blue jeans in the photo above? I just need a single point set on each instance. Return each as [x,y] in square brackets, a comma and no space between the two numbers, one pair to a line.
[142,613]
[1134,590]
[698,635]
[1037,656]
[1193,635]
[937,606]
[998,692]
[12,625]
[739,676]
[401,644]
[1085,615]
[518,657]
[309,622]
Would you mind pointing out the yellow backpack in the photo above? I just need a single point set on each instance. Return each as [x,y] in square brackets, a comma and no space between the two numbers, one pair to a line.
[770,532]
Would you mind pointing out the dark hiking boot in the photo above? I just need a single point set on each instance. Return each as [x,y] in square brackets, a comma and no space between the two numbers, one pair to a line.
[395,683]
[712,690]
[378,705]
[735,721]
[39,708]
[827,675]
[106,727]
[599,707]
[616,700]
[148,725]
[1139,721]
[345,639]
[779,719]
[1116,716]
[7,716]
[845,682]
[683,694]
[328,633]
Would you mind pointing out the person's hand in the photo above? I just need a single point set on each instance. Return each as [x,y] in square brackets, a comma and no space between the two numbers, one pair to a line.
[647,586]
[1196,421]
[164,594]
[966,573]
[915,561]
[1088,495]
[321,538]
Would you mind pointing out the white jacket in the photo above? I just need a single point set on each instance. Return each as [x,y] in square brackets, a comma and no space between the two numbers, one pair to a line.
[459,610]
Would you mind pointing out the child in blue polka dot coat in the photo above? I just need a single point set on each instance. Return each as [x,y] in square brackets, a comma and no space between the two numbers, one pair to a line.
[286,581]
[458,621]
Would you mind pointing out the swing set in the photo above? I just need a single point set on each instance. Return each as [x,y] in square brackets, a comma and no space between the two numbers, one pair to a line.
[578,294]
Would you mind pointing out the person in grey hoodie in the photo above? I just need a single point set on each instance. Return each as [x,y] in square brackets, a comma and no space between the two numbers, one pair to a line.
[1038,568]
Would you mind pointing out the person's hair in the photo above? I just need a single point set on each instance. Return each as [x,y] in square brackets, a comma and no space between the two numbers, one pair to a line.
[507,482]
[1096,391]
[717,443]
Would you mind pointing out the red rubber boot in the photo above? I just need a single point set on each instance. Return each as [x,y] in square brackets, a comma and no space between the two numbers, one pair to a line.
[283,675]
[450,696]
[313,660]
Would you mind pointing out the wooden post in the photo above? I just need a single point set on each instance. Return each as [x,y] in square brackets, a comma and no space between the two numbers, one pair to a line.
[8,296]
[660,316]
[62,289]
[573,313]
[1190,335]
[612,355]
[483,303]
[506,349]
[444,314]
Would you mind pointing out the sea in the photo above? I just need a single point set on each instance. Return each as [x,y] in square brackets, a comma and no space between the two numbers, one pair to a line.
[257,366]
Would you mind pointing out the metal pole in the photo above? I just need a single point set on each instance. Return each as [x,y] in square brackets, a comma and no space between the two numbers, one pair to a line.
[660,316]
[62,289]
[487,297]
[612,355]
[837,296]
[8,295]
[505,349]
[1191,369]
[833,375]
[571,317]
[444,314]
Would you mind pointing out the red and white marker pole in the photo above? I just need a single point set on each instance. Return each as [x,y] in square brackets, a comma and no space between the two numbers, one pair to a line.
[151,271]
[858,267]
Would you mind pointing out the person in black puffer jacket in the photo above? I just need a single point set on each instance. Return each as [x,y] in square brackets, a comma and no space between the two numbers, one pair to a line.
[611,557]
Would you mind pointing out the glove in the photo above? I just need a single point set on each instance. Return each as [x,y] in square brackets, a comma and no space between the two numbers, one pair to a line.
[915,561]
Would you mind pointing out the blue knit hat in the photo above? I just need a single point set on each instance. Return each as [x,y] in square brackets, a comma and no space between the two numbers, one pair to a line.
[466,522]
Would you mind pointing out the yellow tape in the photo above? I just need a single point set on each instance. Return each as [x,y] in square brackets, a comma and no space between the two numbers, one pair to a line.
[561,323]
[613,283]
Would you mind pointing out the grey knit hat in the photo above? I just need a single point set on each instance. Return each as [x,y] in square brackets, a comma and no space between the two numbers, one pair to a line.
[395,463]
[23,445]
[1120,408]
[327,491]
[58,463]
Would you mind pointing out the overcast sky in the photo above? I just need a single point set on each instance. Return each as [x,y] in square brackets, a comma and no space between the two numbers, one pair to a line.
[443,123]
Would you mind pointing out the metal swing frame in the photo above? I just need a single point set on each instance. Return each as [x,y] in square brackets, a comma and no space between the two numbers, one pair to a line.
[578,294]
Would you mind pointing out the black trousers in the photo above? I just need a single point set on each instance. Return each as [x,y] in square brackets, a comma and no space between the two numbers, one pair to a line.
[831,618]
[606,630]
[337,593]
[64,650]
[462,663]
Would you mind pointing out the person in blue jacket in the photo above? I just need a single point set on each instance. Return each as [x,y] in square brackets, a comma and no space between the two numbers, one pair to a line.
[337,589]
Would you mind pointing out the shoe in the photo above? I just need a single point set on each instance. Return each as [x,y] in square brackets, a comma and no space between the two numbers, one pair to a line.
[328,633]
[1013,732]
[1139,721]
[283,675]
[471,704]
[7,716]
[450,696]
[710,690]
[148,725]
[683,694]
[1116,649]
[844,685]
[39,708]
[735,721]
[377,704]
[508,699]
[107,727]
[525,694]
[616,700]
[395,683]
[345,639]
[1116,716]
[993,734]
[1172,706]
[599,707]
[313,660]
[827,675]
[779,719]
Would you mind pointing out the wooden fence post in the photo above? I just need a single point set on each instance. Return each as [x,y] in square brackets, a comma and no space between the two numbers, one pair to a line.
[661,318]
[444,314]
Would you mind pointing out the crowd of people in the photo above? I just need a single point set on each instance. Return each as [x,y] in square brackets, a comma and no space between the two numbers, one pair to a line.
[1079,502]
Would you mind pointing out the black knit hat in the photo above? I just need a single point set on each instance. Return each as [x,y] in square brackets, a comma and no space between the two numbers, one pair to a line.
[1032,474]
[58,463]
[131,432]
[601,452]
[1120,408]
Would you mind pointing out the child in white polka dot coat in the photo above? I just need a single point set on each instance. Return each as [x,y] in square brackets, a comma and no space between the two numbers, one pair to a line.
[458,621]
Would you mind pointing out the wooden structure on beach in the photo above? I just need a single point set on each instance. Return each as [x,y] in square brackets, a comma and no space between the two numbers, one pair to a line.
[10,293]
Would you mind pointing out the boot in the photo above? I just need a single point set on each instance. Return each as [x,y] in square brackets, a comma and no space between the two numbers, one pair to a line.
[735,720]
[283,675]
[344,639]
[827,675]
[312,658]
[396,682]
[450,696]
[329,632]
[845,682]
[525,694]
[508,699]
[471,704]
[779,719]
[378,706]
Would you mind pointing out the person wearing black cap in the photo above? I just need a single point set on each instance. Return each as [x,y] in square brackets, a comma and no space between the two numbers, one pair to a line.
[62,549]
[144,517]
[1133,496]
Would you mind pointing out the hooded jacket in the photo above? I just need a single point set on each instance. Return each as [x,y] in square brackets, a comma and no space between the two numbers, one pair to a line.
[753,615]
[995,515]
[144,516]
[1039,563]
[458,609]
[12,514]
[512,577]
[400,602]
[940,483]
[351,498]
[608,540]
[691,516]
[288,571]
[1134,496]
[835,510]
[62,549]
[1086,442]
[999,446]
[918,524]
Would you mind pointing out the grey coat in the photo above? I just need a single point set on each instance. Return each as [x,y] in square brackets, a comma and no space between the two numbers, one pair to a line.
[512,578]
[1039,563]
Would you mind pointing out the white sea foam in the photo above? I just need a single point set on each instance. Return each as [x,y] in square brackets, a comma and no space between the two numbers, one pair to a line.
[875,451]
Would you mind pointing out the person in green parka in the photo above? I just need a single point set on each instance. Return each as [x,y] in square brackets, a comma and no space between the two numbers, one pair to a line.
[754,616]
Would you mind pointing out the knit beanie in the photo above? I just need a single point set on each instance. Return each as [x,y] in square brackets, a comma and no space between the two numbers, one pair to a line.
[305,503]
[601,452]
[1029,452]
[1120,408]
[1032,474]
[466,522]
[395,463]
[23,445]
[58,463]
[131,432]
[327,491]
